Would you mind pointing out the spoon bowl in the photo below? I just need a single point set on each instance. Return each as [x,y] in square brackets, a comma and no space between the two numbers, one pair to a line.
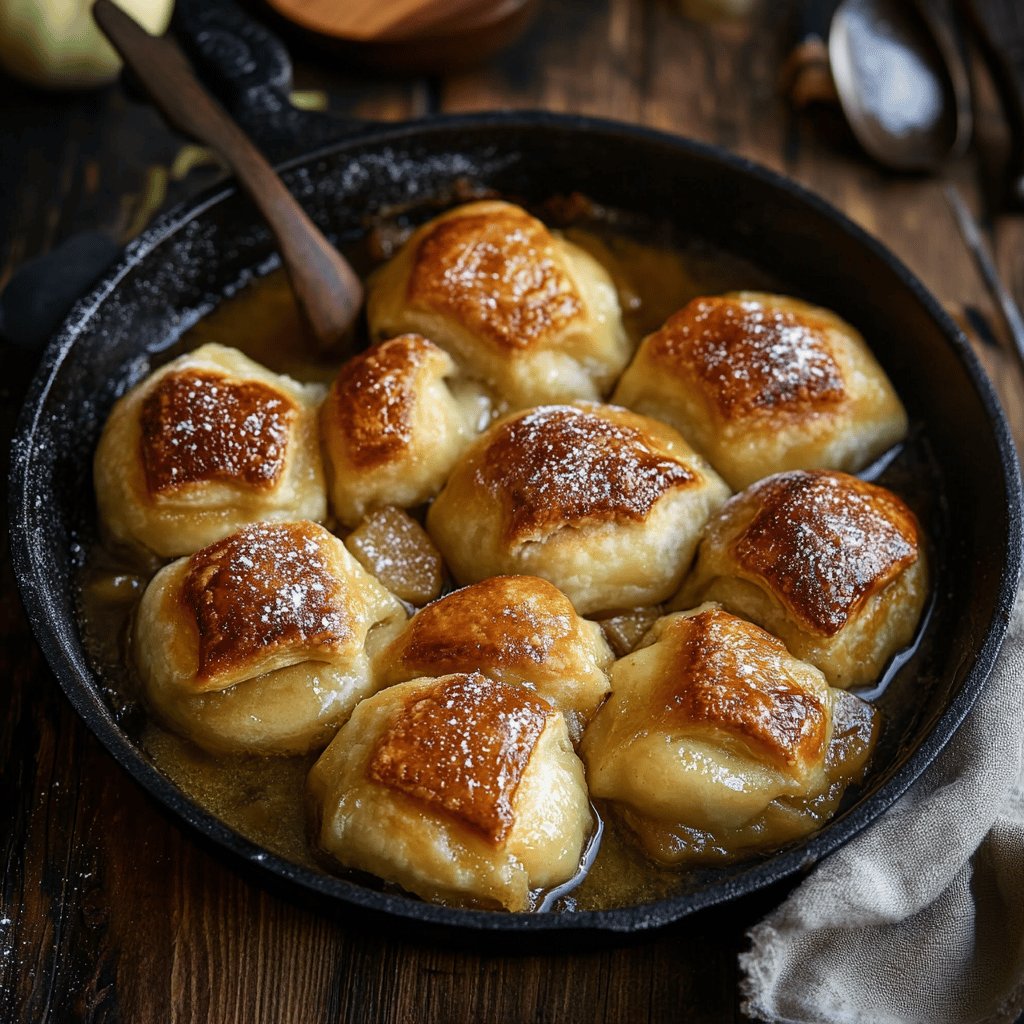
[901,80]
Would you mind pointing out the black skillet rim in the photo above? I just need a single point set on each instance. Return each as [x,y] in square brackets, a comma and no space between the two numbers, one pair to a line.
[83,694]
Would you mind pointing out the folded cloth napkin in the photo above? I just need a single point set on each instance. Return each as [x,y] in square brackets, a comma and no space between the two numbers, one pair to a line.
[919,918]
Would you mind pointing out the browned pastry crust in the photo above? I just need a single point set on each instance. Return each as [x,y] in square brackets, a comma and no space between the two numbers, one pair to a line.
[528,314]
[833,565]
[826,544]
[716,740]
[760,383]
[391,427]
[262,642]
[204,445]
[470,765]
[558,467]
[605,504]
[517,629]
[199,426]
[265,589]
[461,789]
[730,675]
[374,395]
[495,270]
[749,356]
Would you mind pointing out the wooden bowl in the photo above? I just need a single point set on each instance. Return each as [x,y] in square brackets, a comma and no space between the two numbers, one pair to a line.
[463,34]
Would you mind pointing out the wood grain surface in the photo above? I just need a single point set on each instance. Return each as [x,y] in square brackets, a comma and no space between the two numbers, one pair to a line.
[110,910]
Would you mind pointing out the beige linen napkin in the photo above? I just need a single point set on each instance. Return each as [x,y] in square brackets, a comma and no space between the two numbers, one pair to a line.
[920,918]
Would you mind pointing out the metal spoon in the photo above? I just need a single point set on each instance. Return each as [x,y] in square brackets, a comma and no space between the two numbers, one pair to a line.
[901,80]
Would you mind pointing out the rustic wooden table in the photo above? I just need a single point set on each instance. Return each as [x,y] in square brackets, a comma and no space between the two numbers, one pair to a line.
[111,911]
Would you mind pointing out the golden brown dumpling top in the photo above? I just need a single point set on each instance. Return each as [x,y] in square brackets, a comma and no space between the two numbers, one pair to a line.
[198,425]
[526,314]
[761,383]
[784,360]
[375,393]
[263,642]
[508,622]
[269,590]
[824,543]
[497,272]
[461,788]
[605,504]
[716,740]
[392,427]
[462,748]
[518,629]
[724,673]
[559,466]
[204,445]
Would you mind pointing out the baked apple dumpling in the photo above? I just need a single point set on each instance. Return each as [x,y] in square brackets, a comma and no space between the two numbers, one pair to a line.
[605,504]
[762,383]
[517,629]
[391,427]
[461,789]
[716,741]
[834,566]
[262,642]
[206,444]
[530,315]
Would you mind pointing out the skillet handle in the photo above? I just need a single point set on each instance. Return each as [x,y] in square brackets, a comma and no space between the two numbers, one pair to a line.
[248,69]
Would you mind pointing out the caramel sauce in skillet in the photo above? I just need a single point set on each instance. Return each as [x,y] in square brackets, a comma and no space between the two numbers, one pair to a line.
[263,798]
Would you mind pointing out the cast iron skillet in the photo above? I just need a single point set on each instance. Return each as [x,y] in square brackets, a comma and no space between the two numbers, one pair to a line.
[183,265]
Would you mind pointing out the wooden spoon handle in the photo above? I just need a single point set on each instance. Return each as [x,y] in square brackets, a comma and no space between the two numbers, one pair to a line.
[327,289]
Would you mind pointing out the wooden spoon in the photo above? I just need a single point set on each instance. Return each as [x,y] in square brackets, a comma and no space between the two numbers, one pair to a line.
[327,289]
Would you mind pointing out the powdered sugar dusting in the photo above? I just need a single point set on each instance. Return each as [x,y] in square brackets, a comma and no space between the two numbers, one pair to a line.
[267,587]
[560,465]
[200,426]
[730,674]
[498,274]
[825,542]
[462,748]
[373,396]
[505,622]
[751,358]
